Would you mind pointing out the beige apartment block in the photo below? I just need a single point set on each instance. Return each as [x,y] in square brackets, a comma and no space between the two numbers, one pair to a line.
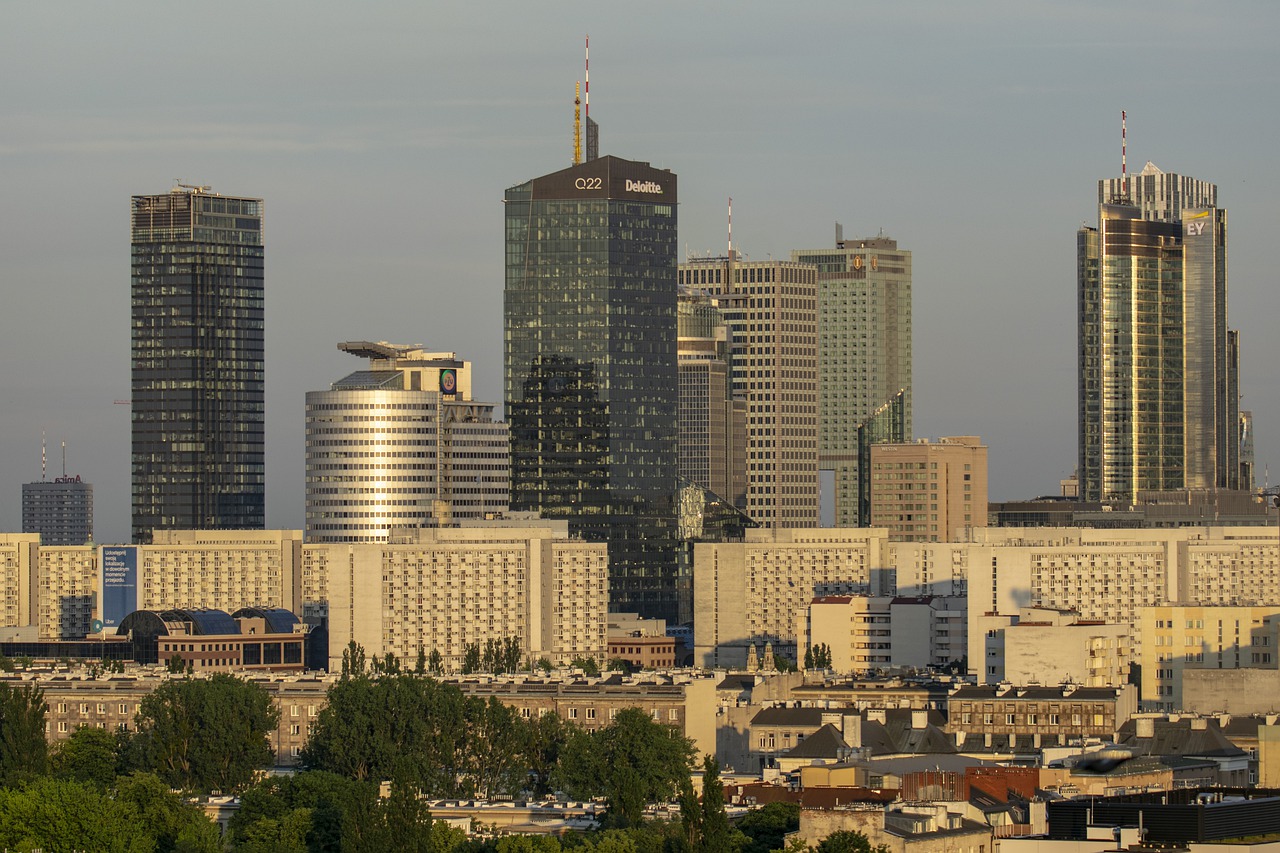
[1178,638]
[18,605]
[67,597]
[753,592]
[929,491]
[220,569]
[458,586]
[1109,575]
[1045,646]
[866,633]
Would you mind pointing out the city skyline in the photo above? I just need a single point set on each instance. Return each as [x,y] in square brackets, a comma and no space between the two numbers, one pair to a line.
[382,141]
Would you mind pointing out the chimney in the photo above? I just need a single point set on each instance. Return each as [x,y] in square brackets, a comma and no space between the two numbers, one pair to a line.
[1199,724]
[1145,727]
[876,715]
[919,718]
[851,728]
[1224,720]
[959,739]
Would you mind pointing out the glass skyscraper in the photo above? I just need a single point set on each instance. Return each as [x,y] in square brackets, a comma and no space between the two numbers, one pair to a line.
[590,365]
[1158,367]
[197,362]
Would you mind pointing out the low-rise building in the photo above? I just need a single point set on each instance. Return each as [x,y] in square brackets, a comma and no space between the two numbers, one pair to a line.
[1038,716]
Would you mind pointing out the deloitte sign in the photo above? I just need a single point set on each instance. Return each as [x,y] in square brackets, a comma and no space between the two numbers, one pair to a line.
[644,187]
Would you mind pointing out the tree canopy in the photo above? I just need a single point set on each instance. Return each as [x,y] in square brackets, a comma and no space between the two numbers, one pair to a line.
[205,734]
[632,761]
[317,811]
[24,754]
[431,736]
[139,816]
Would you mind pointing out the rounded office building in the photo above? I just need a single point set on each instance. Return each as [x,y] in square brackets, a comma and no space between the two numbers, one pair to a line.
[372,459]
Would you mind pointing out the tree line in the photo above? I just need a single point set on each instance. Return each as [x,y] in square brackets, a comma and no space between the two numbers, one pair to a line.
[115,790]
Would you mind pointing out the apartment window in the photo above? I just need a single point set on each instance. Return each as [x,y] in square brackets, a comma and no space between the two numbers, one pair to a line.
[295,729]
[591,714]
[573,713]
[293,710]
[1010,719]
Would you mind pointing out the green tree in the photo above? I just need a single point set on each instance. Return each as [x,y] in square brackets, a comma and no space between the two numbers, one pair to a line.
[24,754]
[176,825]
[56,815]
[435,663]
[546,738]
[471,658]
[353,660]
[544,664]
[421,667]
[766,828]
[631,762]
[587,665]
[89,755]
[717,835]
[423,732]
[848,841]
[204,735]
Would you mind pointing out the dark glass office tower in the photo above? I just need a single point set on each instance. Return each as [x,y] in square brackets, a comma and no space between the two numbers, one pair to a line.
[590,365]
[197,362]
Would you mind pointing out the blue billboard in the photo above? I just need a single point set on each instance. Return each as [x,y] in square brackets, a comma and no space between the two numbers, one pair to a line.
[119,584]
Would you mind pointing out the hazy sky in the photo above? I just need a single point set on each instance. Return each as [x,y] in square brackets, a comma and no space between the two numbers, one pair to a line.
[382,135]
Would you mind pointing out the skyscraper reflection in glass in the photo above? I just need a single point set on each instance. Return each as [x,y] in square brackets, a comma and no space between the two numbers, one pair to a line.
[590,365]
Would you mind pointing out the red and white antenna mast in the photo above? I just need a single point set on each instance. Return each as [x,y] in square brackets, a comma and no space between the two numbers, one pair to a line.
[586,78]
[1124,172]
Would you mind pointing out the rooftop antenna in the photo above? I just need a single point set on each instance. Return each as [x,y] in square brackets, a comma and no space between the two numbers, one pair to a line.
[577,126]
[43,457]
[730,252]
[64,460]
[593,129]
[1124,144]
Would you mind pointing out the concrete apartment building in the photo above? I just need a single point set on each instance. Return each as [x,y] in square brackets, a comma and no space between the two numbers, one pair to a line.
[1177,639]
[457,586]
[929,491]
[866,632]
[1044,646]
[446,588]
[771,309]
[755,591]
